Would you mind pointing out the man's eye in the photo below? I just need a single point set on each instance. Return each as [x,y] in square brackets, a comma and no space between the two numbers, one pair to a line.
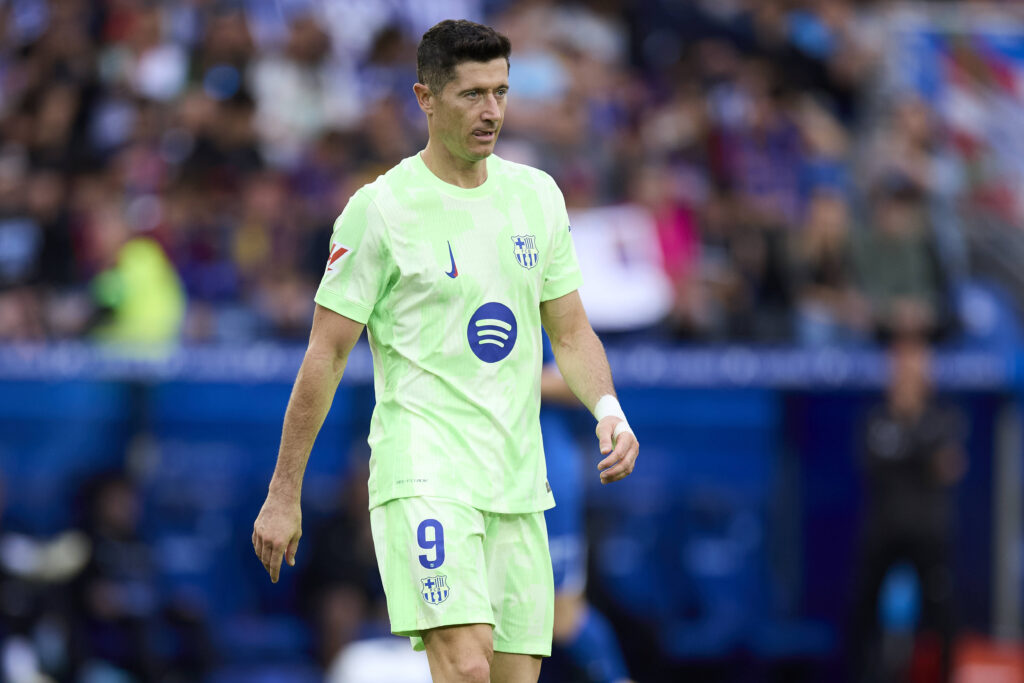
[502,92]
[472,93]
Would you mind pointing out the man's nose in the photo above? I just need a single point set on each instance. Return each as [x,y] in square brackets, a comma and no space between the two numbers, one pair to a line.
[491,110]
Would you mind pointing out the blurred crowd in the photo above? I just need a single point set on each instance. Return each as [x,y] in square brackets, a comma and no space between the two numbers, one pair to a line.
[86,605]
[171,171]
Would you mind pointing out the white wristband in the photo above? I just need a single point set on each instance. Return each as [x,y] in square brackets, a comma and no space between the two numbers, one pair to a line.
[608,405]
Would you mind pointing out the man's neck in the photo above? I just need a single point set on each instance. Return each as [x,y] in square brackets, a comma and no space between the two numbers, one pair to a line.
[451,169]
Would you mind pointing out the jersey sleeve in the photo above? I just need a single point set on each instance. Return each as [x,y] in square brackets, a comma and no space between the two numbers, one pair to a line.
[356,274]
[562,274]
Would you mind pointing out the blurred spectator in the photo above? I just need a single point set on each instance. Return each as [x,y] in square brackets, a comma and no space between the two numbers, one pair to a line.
[295,93]
[762,153]
[625,288]
[35,578]
[144,60]
[911,147]
[913,456]
[581,631]
[826,146]
[390,65]
[46,202]
[675,225]
[36,257]
[830,309]
[21,255]
[117,600]
[223,146]
[138,295]
[270,249]
[905,147]
[899,267]
[341,588]
[717,277]
[758,289]
[122,627]
[224,51]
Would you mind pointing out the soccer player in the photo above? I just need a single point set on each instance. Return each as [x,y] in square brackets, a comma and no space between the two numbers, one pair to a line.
[453,260]
[582,632]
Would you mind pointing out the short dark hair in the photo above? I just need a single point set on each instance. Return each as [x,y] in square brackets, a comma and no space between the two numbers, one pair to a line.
[451,42]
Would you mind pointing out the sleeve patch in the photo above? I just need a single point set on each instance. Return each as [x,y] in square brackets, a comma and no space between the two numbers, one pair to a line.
[337,251]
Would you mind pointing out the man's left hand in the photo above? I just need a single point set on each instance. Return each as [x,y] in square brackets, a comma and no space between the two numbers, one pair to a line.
[621,450]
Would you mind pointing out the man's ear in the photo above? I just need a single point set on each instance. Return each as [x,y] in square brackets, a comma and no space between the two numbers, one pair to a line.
[424,98]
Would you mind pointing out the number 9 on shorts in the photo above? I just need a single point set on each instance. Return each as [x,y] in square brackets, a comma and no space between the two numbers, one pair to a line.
[445,563]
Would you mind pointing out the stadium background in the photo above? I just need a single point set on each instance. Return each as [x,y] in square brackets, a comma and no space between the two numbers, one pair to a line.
[169,173]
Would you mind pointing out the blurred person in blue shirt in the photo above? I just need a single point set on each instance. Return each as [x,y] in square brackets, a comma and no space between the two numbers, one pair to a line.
[581,632]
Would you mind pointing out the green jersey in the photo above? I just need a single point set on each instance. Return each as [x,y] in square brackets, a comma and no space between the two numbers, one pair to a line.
[449,283]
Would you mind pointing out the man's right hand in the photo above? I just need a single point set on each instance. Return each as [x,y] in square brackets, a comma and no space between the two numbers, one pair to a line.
[276,533]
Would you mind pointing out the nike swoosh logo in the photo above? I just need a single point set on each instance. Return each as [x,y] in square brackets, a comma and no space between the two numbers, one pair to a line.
[454,272]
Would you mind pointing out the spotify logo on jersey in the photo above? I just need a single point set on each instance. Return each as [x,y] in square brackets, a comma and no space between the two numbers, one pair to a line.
[492,332]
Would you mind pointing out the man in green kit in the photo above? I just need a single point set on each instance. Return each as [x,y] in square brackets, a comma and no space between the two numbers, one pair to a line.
[453,260]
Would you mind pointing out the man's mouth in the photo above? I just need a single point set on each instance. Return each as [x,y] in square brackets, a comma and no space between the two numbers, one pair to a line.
[484,135]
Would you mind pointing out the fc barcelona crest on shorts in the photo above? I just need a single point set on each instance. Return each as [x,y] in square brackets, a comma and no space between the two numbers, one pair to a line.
[525,249]
[435,589]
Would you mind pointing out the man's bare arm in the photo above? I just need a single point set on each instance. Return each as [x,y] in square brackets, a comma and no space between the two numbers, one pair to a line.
[578,351]
[582,362]
[553,388]
[278,527]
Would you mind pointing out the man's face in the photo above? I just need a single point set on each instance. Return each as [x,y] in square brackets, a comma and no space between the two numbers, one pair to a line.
[469,111]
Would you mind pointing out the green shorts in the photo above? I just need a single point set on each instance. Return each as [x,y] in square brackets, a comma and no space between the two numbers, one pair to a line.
[445,563]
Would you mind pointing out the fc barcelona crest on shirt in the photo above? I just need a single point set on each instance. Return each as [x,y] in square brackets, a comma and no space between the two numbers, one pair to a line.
[434,589]
[525,249]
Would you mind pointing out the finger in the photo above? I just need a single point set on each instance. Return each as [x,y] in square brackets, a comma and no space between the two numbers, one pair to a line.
[293,548]
[623,443]
[257,544]
[622,469]
[275,563]
[609,461]
[616,471]
[604,435]
[268,552]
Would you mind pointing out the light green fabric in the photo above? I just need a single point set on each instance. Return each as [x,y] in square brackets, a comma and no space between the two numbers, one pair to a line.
[494,569]
[447,422]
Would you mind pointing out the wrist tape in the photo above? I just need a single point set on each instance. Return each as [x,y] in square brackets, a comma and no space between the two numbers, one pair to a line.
[607,406]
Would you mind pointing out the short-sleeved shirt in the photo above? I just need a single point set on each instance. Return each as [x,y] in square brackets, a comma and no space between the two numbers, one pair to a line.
[449,283]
